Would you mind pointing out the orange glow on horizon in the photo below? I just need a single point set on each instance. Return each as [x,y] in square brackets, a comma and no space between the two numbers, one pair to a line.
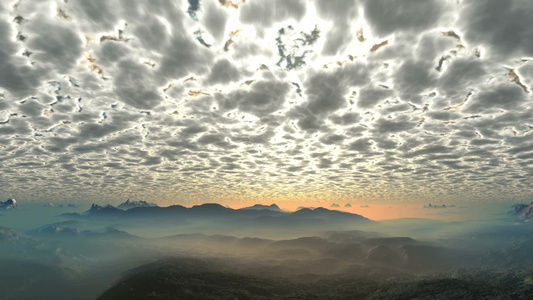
[373,211]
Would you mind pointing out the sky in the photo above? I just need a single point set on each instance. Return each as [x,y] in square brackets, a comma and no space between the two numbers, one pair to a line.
[238,102]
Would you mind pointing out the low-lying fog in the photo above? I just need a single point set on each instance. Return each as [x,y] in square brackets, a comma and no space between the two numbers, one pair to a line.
[51,253]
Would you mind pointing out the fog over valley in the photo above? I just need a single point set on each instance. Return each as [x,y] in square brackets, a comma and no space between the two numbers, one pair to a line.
[61,252]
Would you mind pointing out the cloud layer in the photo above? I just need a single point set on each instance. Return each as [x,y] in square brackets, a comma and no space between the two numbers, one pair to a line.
[199,101]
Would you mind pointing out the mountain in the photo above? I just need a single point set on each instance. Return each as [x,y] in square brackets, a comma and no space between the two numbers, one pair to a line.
[273,207]
[58,230]
[304,207]
[8,204]
[97,209]
[324,213]
[132,204]
[7,234]
[222,217]
[194,279]
[50,230]
[108,232]
[524,211]
[178,278]
[200,237]
[302,242]
[210,209]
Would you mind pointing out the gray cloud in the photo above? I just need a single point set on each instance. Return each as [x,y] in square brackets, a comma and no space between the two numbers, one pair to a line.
[341,13]
[499,26]
[223,72]
[265,13]
[387,17]
[431,96]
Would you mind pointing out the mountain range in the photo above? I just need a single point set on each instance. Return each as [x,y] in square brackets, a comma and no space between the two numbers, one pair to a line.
[257,215]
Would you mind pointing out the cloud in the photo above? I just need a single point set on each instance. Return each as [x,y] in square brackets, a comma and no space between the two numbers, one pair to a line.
[223,72]
[263,14]
[340,13]
[483,24]
[438,206]
[262,98]
[309,100]
[504,96]
[387,17]
[54,44]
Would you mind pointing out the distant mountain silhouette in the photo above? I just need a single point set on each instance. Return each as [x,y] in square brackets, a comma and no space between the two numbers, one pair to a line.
[524,211]
[132,204]
[302,207]
[97,209]
[223,216]
[321,212]
[273,207]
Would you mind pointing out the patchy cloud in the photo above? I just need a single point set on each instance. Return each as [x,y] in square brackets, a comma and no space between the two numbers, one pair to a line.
[355,101]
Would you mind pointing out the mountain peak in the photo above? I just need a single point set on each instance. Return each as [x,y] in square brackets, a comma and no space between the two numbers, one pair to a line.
[8,204]
[524,211]
[209,206]
[273,207]
[132,204]
[95,208]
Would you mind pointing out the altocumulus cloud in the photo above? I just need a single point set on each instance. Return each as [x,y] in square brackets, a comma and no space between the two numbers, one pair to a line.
[202,101]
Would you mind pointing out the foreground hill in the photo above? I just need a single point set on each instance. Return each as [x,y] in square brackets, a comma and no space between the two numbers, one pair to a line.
[196,279]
